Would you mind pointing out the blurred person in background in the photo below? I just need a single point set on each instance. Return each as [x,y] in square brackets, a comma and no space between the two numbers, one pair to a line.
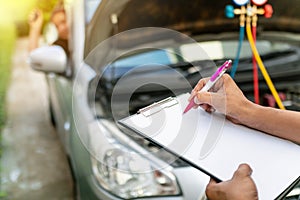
[58,18]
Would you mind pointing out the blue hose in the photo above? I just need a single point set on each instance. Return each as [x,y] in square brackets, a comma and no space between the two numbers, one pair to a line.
[236,60]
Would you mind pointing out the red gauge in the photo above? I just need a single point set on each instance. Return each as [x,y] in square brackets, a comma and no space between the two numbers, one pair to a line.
[259,2]
[268,11]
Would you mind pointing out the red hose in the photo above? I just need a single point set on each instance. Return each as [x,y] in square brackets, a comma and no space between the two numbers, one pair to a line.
[255,71]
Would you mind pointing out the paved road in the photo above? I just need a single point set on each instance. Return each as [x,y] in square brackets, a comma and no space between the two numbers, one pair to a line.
[33,164]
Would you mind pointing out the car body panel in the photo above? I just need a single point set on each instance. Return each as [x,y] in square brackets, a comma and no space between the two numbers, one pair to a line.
[60,97]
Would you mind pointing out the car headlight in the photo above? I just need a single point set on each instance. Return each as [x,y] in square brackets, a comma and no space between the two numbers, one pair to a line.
[128,175]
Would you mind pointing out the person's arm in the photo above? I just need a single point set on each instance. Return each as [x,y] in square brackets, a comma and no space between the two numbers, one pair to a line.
[240,187]
[227,98]
[35,21]
[281,123]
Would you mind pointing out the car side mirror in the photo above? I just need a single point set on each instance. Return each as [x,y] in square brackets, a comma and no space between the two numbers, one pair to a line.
[48,59]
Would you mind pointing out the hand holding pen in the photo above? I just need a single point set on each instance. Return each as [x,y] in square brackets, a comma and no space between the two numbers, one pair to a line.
[208,85]
[224,96]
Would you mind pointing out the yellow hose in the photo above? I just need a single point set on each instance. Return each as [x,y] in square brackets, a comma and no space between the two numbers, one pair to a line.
[262,68]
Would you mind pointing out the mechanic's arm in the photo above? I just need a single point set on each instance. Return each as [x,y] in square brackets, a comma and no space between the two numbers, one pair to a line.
[227,98]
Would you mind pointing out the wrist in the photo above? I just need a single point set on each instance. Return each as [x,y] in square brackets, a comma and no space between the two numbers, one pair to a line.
[249,114]
[35,28]
[36,33]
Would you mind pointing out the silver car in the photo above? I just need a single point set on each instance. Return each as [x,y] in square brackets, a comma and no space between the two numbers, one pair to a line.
[127,54]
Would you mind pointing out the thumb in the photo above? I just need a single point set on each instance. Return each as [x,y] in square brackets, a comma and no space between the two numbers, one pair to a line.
[212,182]
[211,189]
[243,170]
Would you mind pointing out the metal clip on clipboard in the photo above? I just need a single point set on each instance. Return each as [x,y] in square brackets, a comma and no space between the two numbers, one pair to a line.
[158,106]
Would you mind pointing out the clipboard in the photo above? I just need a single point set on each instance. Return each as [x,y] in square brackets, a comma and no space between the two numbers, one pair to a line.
[216,146]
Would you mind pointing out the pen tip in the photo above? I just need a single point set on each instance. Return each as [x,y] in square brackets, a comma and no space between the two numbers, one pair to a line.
[188,107]
[184,111]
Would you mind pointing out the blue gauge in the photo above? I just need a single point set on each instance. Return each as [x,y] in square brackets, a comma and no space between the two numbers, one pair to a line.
[259,2]
[240,2]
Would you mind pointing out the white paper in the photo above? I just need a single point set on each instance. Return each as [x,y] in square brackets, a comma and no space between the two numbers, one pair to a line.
[218,146]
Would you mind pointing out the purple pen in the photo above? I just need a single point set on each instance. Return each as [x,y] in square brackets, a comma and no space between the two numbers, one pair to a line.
[213,79]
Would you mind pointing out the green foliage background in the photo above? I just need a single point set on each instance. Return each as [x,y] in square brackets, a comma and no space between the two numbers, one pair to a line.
[13,23]
[6,49]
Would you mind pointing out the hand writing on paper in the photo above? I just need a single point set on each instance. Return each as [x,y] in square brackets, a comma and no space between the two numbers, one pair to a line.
[224,96]
[240,187]
[228,99]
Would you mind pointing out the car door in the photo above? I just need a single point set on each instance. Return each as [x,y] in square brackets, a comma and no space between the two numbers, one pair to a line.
[60,93]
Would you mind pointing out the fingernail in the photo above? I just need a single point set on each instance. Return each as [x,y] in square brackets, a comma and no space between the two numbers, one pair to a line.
[212,110]
[196,100]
